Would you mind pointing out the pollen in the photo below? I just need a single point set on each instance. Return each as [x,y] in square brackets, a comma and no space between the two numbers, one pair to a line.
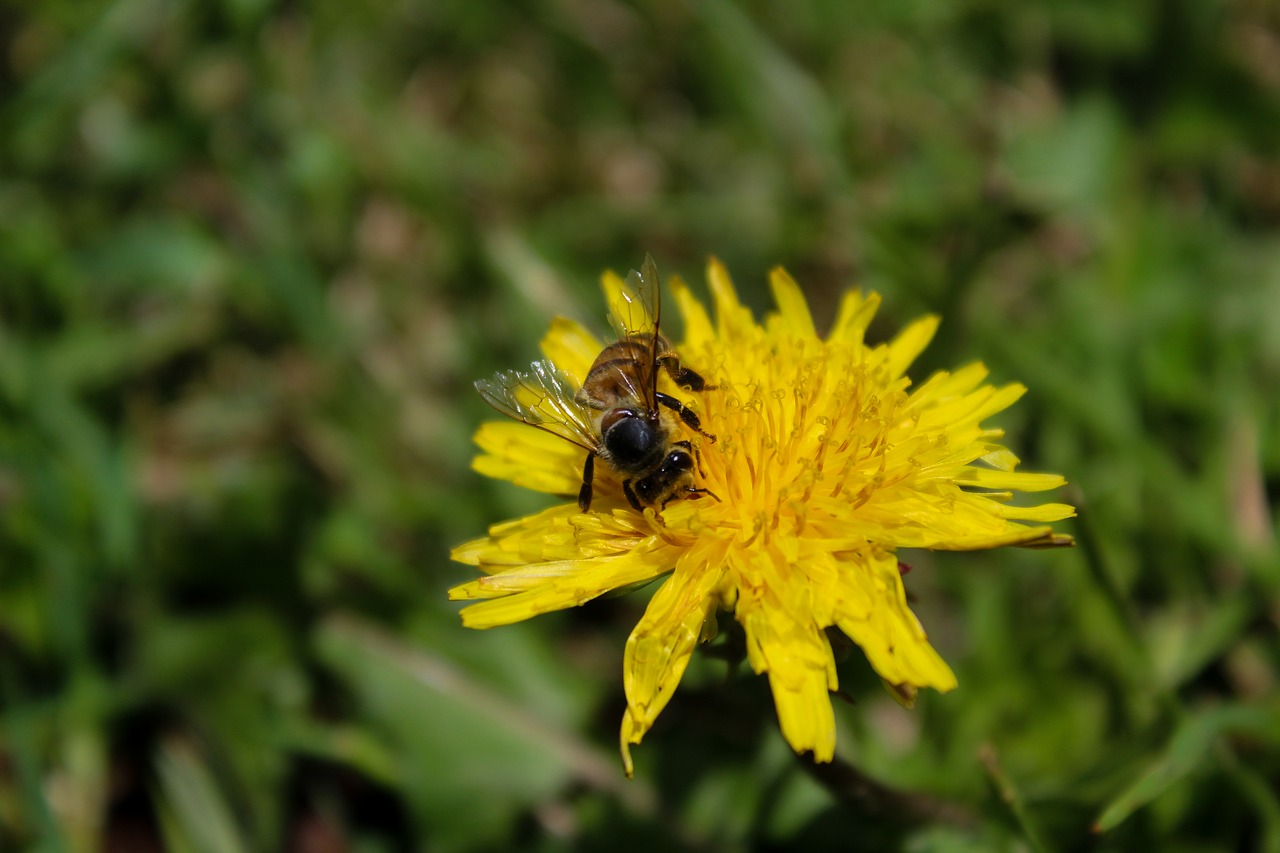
[826,461]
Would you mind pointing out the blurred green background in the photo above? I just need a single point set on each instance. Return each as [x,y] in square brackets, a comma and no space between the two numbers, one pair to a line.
[252,256]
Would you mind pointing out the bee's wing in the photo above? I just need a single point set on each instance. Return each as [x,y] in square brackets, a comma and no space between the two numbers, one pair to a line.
[545,398]
[636,311]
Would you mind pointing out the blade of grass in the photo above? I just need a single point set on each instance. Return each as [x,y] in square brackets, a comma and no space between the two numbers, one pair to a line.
[194,815]
[1187,751]
[1012,798]
[1257,790]
[20,744]
[440,675]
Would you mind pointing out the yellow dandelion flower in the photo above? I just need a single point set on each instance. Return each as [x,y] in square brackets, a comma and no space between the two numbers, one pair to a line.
[824,464]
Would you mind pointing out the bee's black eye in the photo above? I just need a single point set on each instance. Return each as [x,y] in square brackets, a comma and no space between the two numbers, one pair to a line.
[631,441]
[680,459]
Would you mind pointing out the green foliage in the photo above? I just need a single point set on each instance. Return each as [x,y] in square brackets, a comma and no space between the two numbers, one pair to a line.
[252,257]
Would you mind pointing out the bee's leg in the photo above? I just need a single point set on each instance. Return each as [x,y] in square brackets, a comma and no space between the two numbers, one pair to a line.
[631,495]
[689,416]
[692,490]
[697,457]
[683,376]
[588,475]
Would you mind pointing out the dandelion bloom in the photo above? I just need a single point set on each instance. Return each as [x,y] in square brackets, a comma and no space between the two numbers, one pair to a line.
[825,464]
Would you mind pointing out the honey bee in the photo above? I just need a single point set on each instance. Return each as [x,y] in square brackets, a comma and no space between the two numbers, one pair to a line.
[618,415]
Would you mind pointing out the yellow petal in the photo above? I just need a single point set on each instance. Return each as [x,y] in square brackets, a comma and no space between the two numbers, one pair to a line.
[910,342]
[571,347]
[1000,458]
[854,317]
[1042,512]
[873,613]
[805,715]
[523,577]
[731,317]
[1024,481]
[943,386]
[698,330]
[1002,399]
[801,671]
[792,308]
[659,648]
[1014,534]
[547,535]
[566,587]
[529,457]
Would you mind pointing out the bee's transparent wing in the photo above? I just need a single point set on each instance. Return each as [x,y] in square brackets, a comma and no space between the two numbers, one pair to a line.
[635,312]
[543,397]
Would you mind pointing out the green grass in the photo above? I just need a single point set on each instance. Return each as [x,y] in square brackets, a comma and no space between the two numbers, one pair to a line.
[252,258]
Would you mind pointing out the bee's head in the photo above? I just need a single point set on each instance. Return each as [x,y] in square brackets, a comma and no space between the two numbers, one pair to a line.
[671,479]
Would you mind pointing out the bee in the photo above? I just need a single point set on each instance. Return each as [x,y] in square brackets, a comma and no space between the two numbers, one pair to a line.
[618,415]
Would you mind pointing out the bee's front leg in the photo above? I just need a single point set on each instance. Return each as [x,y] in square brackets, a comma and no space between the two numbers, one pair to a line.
[631,496]
[693,491]
[588,475]
[688,415]
[683,376]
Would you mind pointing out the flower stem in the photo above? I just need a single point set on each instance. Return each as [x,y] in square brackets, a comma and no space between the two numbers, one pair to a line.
[851,787]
